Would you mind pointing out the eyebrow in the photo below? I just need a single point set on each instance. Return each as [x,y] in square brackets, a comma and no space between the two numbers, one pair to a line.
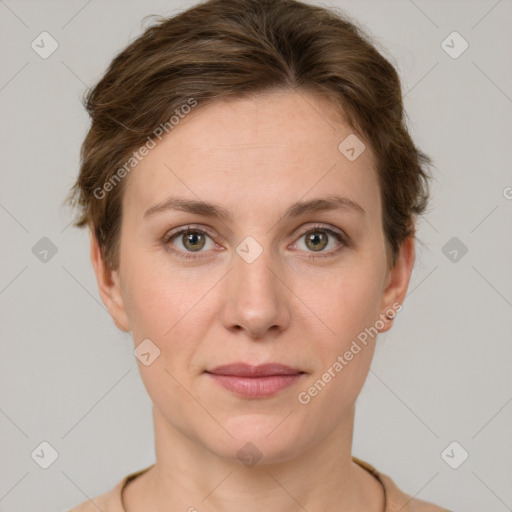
[331,202]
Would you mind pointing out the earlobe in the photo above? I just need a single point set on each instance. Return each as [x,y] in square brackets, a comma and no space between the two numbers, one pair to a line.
[397,283]
[108,285]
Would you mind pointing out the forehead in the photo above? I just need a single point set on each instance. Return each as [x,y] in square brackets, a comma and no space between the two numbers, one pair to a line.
[266,149]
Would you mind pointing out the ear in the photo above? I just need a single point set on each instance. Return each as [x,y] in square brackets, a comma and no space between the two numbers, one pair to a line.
[397,282]
[108,285]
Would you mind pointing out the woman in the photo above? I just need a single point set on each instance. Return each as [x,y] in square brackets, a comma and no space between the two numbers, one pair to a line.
[251,193]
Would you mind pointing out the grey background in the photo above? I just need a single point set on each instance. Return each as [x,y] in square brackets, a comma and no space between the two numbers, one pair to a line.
[442,374]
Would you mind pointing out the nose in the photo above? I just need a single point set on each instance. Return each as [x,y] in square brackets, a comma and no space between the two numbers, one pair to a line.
[256,297]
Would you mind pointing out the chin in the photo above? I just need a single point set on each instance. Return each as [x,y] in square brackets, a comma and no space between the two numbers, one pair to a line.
[259,439]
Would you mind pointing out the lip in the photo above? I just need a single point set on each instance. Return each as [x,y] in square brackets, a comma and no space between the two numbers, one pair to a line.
[247,370]
[255,381]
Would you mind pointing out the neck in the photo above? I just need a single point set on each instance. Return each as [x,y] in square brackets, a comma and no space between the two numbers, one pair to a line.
[189,477]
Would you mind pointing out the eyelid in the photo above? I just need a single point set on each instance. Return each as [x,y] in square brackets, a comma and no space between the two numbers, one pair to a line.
[190,227]
[323,227]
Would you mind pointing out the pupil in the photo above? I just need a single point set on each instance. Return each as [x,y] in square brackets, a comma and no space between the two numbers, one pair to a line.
[317,240]
[192,239]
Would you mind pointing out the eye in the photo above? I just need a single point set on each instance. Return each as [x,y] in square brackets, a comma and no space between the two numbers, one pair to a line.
[191,240]
[317,238]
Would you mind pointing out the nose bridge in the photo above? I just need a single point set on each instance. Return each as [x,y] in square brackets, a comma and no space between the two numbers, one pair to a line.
[252,263]
[256,297]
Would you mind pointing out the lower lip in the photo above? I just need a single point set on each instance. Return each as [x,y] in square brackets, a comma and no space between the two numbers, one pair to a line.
[256,387]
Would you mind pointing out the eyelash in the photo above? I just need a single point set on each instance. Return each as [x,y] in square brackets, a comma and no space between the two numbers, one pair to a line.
[340,237]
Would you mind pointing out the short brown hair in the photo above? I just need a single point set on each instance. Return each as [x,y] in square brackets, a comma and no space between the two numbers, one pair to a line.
[227,49]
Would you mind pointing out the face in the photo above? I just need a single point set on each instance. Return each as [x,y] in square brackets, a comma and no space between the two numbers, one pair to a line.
[277,278]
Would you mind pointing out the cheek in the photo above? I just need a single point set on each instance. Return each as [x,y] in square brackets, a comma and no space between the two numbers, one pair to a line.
[148,303]
[345,351]
[167,305]
[345,301]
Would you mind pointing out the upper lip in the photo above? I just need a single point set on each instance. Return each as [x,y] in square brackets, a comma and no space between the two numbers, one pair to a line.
[247,370]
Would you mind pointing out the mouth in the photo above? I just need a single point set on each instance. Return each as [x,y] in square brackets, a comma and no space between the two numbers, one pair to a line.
[255,381]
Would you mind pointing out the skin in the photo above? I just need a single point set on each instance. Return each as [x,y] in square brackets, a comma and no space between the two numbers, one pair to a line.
[272,149]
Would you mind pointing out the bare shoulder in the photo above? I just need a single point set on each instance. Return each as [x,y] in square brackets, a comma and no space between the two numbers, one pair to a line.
[110,501]
[399,501]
